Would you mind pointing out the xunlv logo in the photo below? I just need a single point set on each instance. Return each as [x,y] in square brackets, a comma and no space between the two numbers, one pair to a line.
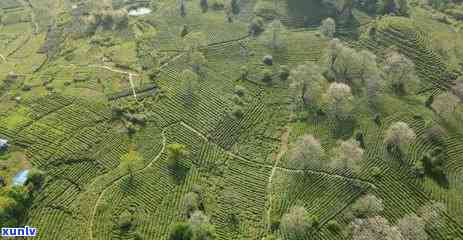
[19,232]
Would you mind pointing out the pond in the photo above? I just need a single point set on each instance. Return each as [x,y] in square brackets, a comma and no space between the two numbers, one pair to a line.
[139,11]
[20,178]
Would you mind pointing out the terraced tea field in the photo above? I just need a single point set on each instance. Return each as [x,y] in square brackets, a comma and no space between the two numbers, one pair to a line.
[101,112]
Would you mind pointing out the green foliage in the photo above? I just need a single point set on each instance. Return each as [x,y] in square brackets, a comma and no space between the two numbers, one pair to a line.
[125,220]
[13,204]
[176,153]
[181,231]
[36,178]
[256,26]
[333,226]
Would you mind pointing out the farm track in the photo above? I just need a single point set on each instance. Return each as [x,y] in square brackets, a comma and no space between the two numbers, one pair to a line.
[276,158]
[35,24]
[280,155]
[164,141]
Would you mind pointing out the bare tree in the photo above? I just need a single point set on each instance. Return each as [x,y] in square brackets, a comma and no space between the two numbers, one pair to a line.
[198,61]
[432,214]
[348,155]
[190,83]
[399,135]
[340,62]
[182,8]
[377,228]
[400,72]
[190,203]
[306,84]
[445,104]
[201,227]
[367,206]
[339,101]
[204,4]
[328,28]
[306,152]
[412,227]
[295,224]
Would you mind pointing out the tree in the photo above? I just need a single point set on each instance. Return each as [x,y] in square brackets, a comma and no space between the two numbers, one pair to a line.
[295,224]
[176,152]
[399,72]
[190,81]
[307,152]
[197,61]
[194,40]
[13,203]
[181,231]
[348,155]
[432,214]
[36,178]
[377,228]
[275,35]
[256,26]
[457,89]
[182,8]
[204,4]
[7,211]
[367,206]
[228,10]
[445,104]
[340,63]
[399,135]
[339,100]
[306,84]
[403,8]
[201,227]
[412,227]
[387,6]
[235,5]
[232,199]
[191,203]
[328,28]
[370,75]
[128,164]
[125,220]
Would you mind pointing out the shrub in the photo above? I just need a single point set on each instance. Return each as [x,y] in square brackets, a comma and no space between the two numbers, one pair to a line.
[284,72]
[267,60]
[267,76]
[333,226]
[256,26]
[295,223]
[181,231]
[328,28]
[125,220]
[367,206]
[217,4]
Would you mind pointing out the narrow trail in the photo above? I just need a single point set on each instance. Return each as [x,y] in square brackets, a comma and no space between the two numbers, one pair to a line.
[3,58]
[276,158]
[102,193]
[33,17]
[132,86]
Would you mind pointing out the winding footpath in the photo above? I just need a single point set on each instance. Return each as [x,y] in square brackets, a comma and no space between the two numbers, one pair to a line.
[102,193]
[276,159]
[132,86]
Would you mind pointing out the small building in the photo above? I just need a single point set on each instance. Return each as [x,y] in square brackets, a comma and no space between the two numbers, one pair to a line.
[3,144]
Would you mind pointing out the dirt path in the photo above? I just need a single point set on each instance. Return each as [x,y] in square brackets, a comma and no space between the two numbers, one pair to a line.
[132,86]
[102,193]
[276,160]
